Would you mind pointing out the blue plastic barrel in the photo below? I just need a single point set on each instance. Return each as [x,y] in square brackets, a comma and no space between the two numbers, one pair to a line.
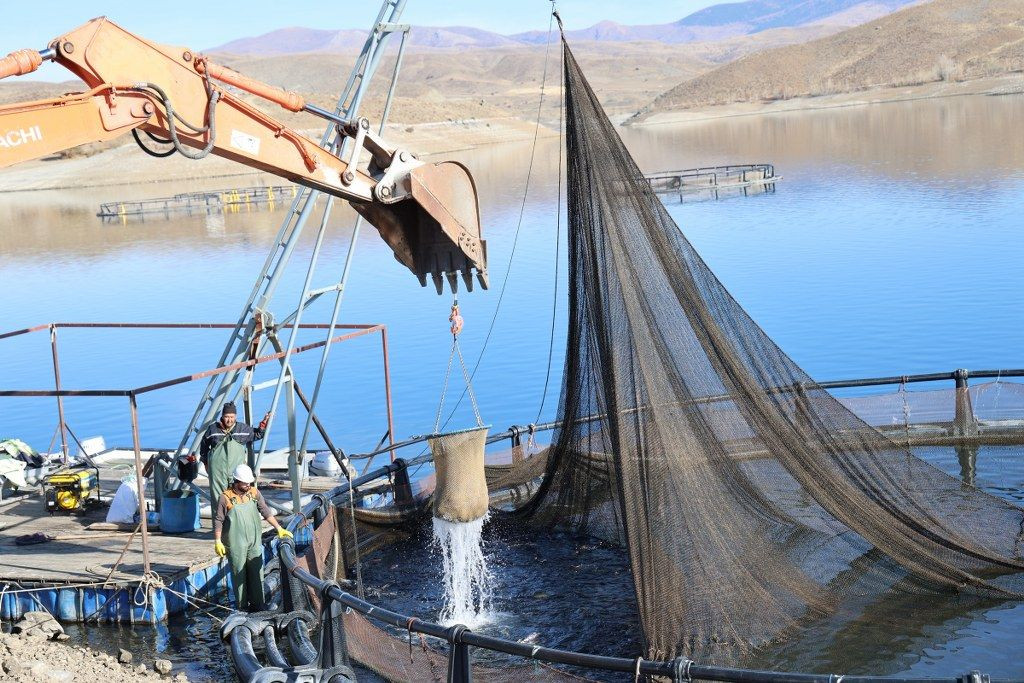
[179,512]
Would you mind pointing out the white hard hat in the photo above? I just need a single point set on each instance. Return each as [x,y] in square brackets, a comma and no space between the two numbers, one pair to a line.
[243,473]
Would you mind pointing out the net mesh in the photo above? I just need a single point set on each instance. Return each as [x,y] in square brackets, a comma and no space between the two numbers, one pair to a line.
[753,504]
[461,491]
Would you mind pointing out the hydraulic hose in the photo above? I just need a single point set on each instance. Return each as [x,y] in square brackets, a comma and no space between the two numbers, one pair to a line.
[172,116]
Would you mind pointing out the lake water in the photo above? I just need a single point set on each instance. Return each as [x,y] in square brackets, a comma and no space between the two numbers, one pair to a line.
[892,246]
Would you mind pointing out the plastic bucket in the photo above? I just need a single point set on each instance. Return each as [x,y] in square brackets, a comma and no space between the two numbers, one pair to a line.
[179,512]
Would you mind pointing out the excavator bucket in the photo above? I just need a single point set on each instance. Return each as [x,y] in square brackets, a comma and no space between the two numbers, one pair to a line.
[435,229]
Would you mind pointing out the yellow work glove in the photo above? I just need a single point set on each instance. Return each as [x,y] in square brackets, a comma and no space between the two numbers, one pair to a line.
[221,550]
[284,533]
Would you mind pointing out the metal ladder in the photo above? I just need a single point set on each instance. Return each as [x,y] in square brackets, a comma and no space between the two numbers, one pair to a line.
[256,324]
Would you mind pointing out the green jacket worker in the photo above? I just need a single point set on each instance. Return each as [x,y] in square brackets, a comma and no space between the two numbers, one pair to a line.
[223,448]
[238,520]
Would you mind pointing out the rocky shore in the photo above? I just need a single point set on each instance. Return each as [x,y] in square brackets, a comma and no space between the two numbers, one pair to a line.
[38,651]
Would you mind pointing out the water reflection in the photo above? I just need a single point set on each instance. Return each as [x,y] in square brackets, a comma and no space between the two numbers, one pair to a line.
[904,631]
[892,246]
[972,139]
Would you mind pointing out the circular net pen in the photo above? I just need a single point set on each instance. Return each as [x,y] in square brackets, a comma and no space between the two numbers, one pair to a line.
[329,631]
[753,505]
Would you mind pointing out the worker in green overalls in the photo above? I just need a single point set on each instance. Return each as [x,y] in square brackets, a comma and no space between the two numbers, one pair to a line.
[238,518]
[223,448]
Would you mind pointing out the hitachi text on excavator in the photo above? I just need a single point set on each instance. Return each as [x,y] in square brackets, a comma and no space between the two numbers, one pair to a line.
[428,213]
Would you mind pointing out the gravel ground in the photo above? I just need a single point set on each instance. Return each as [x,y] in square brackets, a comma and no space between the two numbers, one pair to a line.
[33,656]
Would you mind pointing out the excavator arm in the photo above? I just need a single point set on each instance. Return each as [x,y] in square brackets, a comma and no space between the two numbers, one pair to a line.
[426,212]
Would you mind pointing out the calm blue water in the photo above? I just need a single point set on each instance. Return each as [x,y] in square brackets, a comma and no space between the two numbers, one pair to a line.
[892,246]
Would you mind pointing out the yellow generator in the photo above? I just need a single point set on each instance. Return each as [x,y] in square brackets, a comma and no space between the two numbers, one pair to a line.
[71,490]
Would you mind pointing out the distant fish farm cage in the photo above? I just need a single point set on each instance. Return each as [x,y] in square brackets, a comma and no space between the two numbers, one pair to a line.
[715,182]
[214,201]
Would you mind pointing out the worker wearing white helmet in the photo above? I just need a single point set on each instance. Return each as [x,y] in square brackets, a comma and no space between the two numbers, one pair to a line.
[238,518]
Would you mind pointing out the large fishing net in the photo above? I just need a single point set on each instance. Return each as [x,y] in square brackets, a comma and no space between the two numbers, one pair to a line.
[753,504]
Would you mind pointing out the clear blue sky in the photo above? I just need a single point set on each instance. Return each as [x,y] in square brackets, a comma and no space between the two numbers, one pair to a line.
[206,23]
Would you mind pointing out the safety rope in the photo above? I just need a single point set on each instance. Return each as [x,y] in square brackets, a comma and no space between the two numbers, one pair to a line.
[192,600]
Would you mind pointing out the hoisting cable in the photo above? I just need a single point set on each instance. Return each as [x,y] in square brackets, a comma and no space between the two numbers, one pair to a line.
[519,223]
[558,235]
[455,318]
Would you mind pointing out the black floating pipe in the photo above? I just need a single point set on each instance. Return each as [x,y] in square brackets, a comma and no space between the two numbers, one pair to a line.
[678,670]
[303,650]
[273,652]
[246,664]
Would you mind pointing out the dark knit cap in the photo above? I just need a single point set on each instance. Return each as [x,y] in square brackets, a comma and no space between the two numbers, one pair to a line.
[229,409]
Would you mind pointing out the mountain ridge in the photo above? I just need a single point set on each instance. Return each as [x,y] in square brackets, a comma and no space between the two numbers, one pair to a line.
[713,23]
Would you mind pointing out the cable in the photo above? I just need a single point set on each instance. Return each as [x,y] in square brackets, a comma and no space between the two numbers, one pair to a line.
[519,224]
[154,138]
[558,238]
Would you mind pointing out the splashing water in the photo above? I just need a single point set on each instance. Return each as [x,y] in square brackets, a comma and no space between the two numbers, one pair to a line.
[467,580]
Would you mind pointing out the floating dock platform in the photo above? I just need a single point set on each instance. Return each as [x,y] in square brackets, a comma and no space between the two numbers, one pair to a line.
[71,577]
[68,575]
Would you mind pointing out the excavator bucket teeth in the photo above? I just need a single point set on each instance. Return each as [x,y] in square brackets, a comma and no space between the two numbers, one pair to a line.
[435,230]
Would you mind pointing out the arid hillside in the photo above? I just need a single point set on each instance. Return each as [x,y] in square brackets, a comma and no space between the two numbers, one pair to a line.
[943,40]
[441,85]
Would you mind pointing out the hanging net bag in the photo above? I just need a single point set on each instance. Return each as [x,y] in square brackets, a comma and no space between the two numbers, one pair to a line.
[461,491]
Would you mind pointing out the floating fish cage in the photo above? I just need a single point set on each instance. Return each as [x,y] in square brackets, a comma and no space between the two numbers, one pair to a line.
[329,627]
[715,182]
[233,200]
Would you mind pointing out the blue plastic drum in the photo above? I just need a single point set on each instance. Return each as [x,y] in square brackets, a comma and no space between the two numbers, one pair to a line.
[179,512]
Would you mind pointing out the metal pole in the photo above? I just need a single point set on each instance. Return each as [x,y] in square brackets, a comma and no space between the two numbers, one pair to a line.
[294,471]
[293,335]
[140,486]
[394,81]
[60,400]
[387,389]
[306,404]
[343,282]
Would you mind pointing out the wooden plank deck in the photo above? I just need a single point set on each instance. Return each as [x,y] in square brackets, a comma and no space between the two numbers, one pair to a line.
[78,555]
